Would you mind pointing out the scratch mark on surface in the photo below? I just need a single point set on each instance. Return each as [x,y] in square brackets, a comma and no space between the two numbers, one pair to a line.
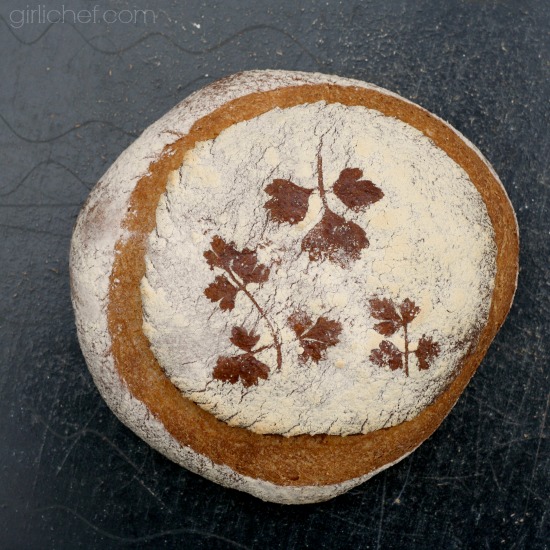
[495,477]
[505,416]
[382,503]
[452,478]
[144,538]
[39,205]
[77,439]
[152,493]
[78,126]
[33,230]
[38,460]
[511,442]
[189,51]
[47,162]
[30,42]
[84,431]
[364,527]
[398,498]
[535,462]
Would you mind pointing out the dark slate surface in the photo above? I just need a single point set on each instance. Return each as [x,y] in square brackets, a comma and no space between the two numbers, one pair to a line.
[73,96]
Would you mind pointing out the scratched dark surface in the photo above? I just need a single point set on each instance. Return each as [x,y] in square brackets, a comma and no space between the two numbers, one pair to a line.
[73,96]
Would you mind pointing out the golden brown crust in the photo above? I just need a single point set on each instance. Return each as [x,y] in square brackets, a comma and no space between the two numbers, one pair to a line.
[302,460]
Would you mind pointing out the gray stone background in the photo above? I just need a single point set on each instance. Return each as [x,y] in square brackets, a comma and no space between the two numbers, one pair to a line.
[74,95]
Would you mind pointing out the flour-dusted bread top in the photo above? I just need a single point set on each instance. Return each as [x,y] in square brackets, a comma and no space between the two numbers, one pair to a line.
[318,269]
[333,219]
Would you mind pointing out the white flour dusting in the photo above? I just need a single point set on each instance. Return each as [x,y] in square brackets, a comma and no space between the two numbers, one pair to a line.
[431,241]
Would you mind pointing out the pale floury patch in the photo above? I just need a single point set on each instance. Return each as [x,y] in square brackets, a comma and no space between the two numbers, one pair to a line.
[430,241]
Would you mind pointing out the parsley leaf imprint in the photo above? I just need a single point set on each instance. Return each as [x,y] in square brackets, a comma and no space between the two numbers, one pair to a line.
[241,268]
[393,318]
[315,338]
[333,238]
[244,367]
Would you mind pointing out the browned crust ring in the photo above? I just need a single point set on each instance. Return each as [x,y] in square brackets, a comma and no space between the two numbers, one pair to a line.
[301,460]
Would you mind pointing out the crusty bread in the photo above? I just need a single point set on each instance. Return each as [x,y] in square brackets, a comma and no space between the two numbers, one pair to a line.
[108,266]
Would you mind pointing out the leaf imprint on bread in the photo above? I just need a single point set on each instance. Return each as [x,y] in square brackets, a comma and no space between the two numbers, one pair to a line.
[393,318]
[333,238]
[240,269]
[315,338]
[244,367]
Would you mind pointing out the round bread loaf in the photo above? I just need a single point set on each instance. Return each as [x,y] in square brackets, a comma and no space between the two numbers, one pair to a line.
[286,282]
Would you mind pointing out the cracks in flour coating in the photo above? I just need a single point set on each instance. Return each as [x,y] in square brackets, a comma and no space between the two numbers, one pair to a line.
[241,268]
[403,260]
[333,238]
